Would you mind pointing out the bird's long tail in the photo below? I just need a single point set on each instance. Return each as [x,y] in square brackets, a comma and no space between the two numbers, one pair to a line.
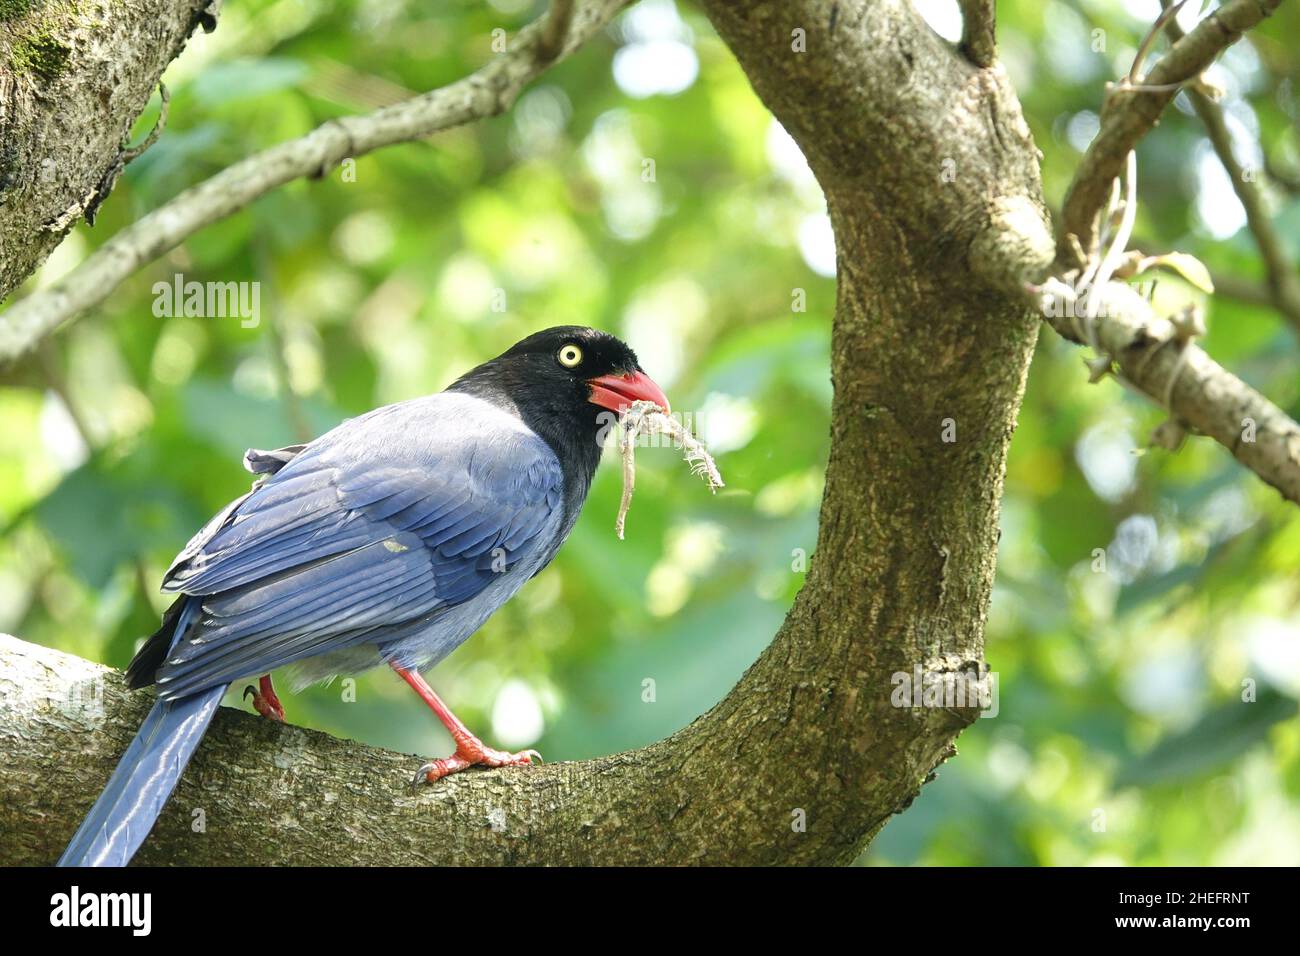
[145,776]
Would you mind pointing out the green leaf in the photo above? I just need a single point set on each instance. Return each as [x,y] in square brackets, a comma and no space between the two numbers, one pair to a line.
[1187,266]
[1218,738]
[239,79]
[102,516]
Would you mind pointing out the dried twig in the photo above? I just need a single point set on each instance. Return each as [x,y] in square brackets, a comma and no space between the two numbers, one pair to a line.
[649,419]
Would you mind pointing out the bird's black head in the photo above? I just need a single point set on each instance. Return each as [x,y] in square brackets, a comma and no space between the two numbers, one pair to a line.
[568,384]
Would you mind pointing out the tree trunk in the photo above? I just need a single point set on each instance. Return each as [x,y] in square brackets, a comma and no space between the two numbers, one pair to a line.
[932,183]
[73,79]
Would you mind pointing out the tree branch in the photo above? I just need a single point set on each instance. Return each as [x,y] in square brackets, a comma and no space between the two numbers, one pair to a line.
[1161,362]
[979,31]
[928,380]
[1130,111]
[1156,356]
[489,91]
[259,792]
[1231,286]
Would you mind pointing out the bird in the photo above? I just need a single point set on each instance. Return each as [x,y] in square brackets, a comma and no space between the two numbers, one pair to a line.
[388,540]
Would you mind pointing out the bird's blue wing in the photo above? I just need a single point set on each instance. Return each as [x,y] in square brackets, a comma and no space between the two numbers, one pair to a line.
[384,521]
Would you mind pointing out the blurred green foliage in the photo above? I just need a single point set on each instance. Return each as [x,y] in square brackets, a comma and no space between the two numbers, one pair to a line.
[1121,735]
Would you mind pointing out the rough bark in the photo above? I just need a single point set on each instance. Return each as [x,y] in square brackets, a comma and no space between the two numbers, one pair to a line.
[74,76]
[932,184]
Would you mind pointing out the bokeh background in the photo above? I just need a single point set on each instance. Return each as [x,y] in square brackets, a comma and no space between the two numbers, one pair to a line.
[1121,735]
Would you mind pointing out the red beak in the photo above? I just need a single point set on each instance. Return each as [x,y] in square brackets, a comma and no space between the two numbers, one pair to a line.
[617,392]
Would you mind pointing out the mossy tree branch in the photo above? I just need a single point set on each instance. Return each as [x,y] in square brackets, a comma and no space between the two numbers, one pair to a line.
[931,178]
[73,79]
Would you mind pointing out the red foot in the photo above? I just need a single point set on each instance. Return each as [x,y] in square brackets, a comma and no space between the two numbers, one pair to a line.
[469,749]
[264,700]
[471,752]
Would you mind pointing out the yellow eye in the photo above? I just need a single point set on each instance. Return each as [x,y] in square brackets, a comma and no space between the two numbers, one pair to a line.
[570,356]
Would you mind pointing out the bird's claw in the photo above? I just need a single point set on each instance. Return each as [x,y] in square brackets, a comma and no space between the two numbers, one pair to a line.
[472,753]
[264,701]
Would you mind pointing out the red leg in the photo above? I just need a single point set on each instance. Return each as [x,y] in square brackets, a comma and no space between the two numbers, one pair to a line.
[469,749]
[264,700]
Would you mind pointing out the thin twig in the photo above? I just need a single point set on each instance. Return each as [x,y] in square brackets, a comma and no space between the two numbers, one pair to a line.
[126,154]
[132,152]
[58,384]
[1231,286]
[1286,179]
[1135,71]
[555,30]
[1284,288]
